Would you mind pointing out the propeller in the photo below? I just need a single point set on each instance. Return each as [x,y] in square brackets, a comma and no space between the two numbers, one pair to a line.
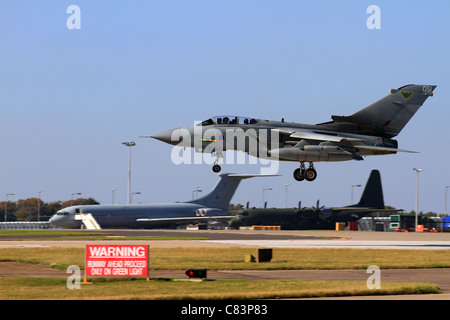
[300,206]
[317,208]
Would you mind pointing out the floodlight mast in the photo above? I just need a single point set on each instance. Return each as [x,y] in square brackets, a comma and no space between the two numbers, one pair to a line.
[129,144]
[445,202]
[417,196]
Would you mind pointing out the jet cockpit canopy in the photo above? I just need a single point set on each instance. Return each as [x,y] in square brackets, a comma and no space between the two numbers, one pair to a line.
[227,119]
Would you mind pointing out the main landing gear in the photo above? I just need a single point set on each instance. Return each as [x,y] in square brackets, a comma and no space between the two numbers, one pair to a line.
[301,173]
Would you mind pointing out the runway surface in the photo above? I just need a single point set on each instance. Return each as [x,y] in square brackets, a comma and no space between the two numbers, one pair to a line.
[353,244]
[227,238]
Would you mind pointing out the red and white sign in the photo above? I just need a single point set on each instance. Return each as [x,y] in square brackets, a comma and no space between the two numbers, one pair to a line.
[117,260]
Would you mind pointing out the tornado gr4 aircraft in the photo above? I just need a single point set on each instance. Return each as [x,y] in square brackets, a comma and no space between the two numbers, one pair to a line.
[317,217]
[213,206]
[364,133]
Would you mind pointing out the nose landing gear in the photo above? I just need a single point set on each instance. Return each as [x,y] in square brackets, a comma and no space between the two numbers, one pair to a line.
[216,168]
[301,173]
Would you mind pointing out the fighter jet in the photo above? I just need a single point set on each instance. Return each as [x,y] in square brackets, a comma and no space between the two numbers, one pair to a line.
[213,206]
[367,132]
[316,217]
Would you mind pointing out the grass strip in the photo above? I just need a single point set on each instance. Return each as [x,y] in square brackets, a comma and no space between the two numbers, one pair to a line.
[163,289]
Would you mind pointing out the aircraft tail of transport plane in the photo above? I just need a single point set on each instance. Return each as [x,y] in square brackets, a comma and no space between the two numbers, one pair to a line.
[222,193]
[372,196]
[317,217]
[213,206]
[367,132]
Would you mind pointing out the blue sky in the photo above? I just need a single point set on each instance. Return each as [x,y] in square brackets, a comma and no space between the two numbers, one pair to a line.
[69,98]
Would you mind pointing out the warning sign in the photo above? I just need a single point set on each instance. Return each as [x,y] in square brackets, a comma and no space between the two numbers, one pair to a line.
[117,260]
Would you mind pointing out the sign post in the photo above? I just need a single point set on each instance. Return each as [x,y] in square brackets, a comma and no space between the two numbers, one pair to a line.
[117,260]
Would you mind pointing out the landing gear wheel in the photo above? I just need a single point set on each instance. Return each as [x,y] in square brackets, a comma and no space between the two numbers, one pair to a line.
[299,174]
[216,168]
[310,174]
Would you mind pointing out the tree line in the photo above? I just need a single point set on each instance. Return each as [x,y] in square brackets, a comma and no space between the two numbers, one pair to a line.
[29,209]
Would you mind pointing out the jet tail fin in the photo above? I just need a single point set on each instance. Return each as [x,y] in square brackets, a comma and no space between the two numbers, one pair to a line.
[389,115]
[372,196]
[224,190]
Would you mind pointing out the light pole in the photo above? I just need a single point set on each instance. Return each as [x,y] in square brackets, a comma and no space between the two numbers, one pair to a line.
[131,200]
[6,203]
[263,195]
[285,194]
[77,193]
[129,144]
[195,192]
[446,187]
[351,197]
[71,201]
[417,195]
[39,206]
[113,191]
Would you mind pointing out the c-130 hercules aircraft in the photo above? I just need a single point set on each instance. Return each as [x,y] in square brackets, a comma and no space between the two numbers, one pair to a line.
[364,133]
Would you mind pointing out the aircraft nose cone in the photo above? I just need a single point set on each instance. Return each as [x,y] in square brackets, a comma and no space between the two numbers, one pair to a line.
[165,136]
[172,136]
[54,220]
